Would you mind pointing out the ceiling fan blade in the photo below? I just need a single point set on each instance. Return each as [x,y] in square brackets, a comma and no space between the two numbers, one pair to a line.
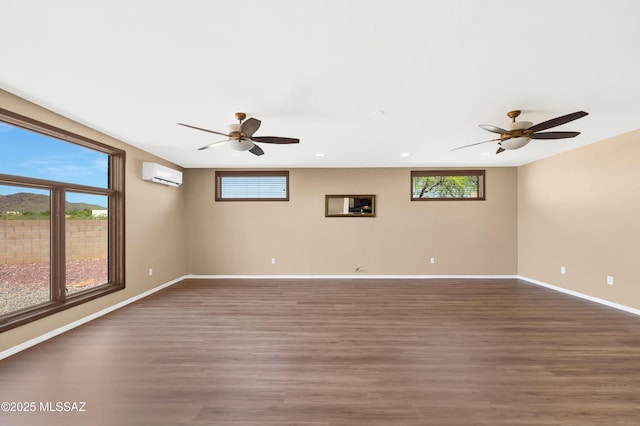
[557,121]
[274,139]
[474,144]
[204,130]
[501,149]
[250,126]
[493,129]
[554,135]
[256,150]
[212,144]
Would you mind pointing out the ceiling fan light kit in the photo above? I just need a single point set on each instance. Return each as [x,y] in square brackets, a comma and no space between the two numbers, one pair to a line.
[240,137]
[522,132]
[240,144]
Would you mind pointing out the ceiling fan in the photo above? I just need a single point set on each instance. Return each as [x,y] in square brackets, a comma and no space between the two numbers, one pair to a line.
[241,136]
[522,132]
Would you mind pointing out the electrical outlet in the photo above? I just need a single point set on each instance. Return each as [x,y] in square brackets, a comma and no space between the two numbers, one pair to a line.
[150,271]
[563,270]
[432,260]
[273,260]
[609,280]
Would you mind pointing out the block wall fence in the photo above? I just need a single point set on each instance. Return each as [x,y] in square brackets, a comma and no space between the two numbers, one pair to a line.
[28,241]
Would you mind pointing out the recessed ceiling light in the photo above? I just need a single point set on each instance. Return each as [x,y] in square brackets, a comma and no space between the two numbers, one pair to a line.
[404,154]
[319,154]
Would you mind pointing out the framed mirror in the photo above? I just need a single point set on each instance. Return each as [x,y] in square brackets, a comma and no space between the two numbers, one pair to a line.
[349,205]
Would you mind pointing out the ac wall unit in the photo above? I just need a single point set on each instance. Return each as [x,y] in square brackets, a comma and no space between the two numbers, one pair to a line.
[160,174]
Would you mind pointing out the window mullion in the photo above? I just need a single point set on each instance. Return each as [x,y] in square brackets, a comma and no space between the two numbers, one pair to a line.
[58,252]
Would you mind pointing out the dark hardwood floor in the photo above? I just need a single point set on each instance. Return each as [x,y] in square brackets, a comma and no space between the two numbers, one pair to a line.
[338,352]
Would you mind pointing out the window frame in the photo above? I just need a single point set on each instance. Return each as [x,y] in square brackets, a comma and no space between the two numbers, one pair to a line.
[249,173]
[481,174]
[115,192]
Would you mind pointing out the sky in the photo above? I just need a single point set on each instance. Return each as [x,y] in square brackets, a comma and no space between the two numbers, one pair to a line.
[27,153]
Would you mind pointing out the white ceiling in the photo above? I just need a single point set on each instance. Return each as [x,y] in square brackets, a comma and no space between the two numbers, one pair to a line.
[360,81]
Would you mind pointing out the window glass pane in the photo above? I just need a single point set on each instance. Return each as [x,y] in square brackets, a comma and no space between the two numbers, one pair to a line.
[253,186]
[31,154]
[25,235]
[447,185]
[87,241]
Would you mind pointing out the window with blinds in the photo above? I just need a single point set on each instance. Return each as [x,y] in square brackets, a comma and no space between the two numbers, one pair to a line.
[445,185]
[268,185]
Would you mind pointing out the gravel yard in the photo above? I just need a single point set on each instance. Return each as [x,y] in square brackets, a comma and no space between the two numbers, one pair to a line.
[26,285]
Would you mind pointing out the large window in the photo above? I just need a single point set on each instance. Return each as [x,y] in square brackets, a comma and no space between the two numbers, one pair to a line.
[61,219]
[265,185]
[447,185]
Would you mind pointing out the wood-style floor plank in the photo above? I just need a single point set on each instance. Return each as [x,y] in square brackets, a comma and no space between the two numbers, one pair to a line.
[339,352]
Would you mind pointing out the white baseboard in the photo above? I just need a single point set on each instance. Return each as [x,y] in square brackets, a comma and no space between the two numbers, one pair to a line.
[58,331]
[358,276]
[582,295]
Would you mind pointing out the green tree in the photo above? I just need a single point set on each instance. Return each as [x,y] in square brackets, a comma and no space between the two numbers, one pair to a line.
[79,214]
[445,186]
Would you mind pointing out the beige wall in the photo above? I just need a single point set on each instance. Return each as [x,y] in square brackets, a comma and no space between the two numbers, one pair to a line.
[155,230]
[465,237]
[581,210]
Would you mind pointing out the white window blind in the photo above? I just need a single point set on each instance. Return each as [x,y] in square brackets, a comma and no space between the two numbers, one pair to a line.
[252,186]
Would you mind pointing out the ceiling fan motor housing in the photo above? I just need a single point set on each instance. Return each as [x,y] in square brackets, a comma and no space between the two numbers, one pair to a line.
[518,137]
[238,141]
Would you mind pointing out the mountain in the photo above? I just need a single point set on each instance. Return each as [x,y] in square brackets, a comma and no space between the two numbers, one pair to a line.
[27,202]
